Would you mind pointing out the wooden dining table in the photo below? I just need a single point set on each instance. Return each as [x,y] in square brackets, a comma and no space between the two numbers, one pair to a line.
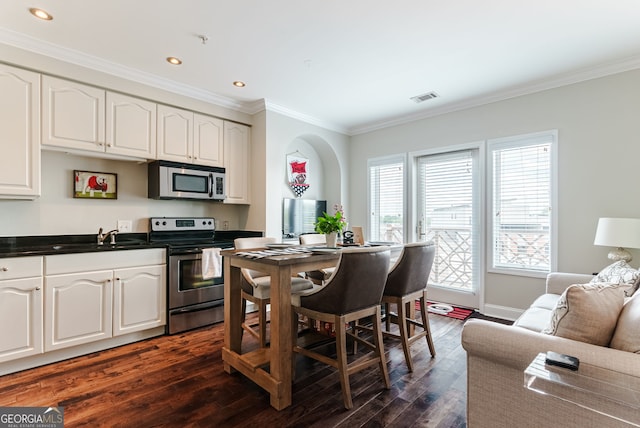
[269,367]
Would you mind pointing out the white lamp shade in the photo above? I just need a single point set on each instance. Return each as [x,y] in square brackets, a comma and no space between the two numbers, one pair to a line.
[618,232]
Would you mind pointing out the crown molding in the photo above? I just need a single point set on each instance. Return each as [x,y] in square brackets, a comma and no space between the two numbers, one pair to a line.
[82,59]
[57,52]
[603,70]
[42,47]
[304,117]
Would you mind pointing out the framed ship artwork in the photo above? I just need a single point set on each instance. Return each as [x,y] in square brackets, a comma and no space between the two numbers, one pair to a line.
[95,185]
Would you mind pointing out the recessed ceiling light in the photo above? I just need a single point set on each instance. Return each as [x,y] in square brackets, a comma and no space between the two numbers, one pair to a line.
[239,84]
[173,60]
[39,13]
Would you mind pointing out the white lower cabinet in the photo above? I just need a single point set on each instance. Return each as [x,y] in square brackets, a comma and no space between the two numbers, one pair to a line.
[78,309]
[95,296]
[20,318]
[20,307]
[139,299]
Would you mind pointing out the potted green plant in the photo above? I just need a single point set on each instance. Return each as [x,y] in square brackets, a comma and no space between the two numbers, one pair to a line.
[331,225]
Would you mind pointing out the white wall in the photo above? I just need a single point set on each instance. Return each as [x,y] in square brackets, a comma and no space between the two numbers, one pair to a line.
[56,212]
[282,136]
[598,124]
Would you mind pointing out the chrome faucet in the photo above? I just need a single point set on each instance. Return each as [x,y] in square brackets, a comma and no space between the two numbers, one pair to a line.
[102,237]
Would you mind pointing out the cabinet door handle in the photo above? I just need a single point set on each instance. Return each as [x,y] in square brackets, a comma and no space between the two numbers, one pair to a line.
[37,288]
[4,268]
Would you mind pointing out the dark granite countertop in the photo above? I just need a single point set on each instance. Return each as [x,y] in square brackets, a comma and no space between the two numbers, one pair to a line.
[19,246]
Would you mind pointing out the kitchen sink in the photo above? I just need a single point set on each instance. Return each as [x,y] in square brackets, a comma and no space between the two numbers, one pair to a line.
[76,247]
[93,246]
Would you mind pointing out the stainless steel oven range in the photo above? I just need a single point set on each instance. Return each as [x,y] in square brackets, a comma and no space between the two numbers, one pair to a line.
[192,301]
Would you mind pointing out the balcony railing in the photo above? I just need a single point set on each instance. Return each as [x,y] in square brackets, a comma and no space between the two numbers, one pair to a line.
[453,265]
[523,249]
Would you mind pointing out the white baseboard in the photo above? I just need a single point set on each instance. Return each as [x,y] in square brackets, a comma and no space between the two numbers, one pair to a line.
[503,312]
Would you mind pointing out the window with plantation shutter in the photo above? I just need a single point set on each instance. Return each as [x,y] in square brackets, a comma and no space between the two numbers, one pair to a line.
[521,186]
[386,199]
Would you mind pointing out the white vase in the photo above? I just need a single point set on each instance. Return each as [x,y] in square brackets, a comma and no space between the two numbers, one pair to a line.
[331,239]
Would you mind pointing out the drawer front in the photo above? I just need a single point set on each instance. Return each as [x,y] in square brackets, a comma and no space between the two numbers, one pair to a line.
[86,262]
[20,267]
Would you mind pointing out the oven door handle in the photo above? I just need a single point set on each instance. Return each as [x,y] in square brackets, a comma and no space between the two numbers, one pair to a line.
[199,307]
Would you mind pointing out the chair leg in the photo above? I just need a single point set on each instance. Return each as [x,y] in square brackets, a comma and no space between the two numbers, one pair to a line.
[343,370]
[294,342]
[377,338]
[356,323]
[262,321]
[243,316]
[425,323]
[411,314]
[387,317]
[404,333]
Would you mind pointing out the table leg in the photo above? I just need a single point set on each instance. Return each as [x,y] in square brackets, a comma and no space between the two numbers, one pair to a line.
[232,309]
[281,346]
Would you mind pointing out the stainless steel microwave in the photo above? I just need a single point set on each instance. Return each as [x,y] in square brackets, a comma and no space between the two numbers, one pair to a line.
[173,180]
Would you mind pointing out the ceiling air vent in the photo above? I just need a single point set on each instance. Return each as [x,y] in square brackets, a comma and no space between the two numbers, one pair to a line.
[424,97]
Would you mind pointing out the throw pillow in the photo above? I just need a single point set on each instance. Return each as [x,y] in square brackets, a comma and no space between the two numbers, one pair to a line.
[627,334]
[619,272]
[631,291]
[587,313]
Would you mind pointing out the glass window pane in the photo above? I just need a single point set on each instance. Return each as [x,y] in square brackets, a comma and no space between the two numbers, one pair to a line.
[386,199]
[521,179]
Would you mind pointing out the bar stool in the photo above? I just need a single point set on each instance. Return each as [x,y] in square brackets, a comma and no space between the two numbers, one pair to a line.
[353,292]
[321,275]
[256,288]
[406,283]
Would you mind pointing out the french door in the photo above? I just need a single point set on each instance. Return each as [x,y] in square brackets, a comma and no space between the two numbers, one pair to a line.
[448,213]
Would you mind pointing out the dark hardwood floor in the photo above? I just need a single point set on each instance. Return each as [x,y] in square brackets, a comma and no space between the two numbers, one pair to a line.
[178,381]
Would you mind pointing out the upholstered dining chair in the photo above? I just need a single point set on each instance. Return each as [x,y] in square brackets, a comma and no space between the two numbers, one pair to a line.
[321,275]
[353,292]
[256,288]
[406,283]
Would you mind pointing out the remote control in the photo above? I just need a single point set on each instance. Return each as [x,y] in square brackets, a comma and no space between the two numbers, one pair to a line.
[562,360]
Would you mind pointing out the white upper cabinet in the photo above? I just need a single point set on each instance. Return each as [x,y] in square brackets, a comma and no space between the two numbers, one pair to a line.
[19,133]
[73,115]
[187,137]
[175,134]
[131,126]
[237,146]
[92,120]
[208,135]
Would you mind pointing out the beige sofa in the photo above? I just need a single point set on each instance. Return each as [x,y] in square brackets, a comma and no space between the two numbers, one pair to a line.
[498,354]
